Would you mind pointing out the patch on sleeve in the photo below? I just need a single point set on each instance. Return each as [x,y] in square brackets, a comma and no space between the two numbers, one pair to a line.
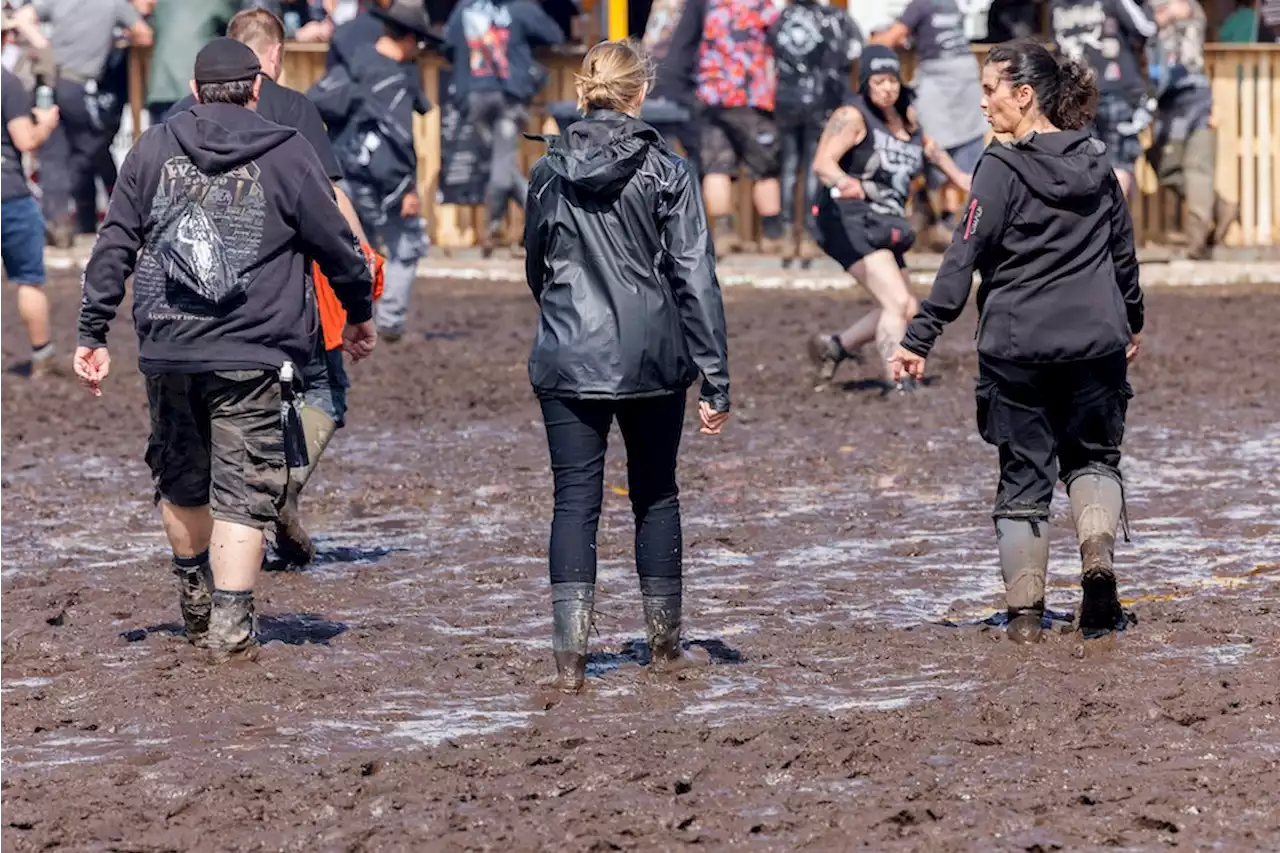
[972,219]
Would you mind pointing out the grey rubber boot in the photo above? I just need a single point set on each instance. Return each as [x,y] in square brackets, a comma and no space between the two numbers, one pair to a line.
[233,627]
[663,602]
[195,595]
[1024,562]
[1097,502]
[572,606]
[293,543]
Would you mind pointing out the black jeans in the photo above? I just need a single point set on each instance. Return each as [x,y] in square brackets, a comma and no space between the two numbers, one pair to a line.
[69,155]
[578,435]
[1051,421]
[799,139]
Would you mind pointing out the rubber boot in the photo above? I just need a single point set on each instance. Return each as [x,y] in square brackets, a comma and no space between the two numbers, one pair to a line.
[195,595]
[293,544]
[572,605]
[662,599]
[1096,504]
[1024,562]
[233,627]
[1224,214]
[1199,237]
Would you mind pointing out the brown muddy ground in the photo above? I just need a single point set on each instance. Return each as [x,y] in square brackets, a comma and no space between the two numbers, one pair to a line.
[397,707]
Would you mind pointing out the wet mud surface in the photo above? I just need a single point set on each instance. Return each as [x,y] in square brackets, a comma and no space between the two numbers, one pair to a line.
[830,535]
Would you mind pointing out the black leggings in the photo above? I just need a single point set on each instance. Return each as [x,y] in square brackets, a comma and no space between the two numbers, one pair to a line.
[578,435]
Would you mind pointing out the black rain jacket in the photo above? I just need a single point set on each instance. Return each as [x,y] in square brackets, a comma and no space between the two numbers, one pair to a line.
[1048,230]
[620,261]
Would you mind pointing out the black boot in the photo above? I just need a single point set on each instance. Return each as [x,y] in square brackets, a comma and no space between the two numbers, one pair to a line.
[572,605]
[233,627]
[195,595]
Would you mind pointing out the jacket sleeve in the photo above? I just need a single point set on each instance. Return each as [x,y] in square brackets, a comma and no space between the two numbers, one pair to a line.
[692,272]
[1124,258]
[980,228]
[540,27]
[534,268]
[115,253]
[327,238]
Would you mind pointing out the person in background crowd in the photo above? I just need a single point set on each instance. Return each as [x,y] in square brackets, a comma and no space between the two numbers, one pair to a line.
[182,29]
[948,93]
[324,375]
[737,89]
[620,262]
[495,78]
[1060,314]
[1109,36]
[871,152]
[671,40]
[23,129]
[373,99]
[81,40]
[348,37]
[1009,20]
[814,46]
[1241,26]
[216,318]
[1184,152]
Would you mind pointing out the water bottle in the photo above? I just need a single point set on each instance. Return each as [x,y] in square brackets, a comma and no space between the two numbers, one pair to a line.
[44,94]
[295,438]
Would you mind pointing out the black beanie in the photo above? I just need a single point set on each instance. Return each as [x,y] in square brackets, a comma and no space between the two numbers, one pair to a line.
[877,59]
[225,60]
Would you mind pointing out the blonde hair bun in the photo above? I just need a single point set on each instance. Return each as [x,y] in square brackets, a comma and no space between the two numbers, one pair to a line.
[615,76]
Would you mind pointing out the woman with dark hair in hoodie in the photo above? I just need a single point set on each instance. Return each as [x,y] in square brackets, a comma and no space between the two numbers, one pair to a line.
[870,152]
[1060,315]
[619,259]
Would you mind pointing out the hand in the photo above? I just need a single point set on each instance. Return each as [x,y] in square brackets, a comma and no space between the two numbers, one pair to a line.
[46,117]
[850,187]
[712,421]
[904,361]
[314,31]
[358,339]
[1135,344]
[92,366]
[410,205]
[141,34]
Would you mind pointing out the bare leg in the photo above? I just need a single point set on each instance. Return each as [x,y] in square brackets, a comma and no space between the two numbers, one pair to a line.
[1126,182]
[887,286]
[767,197]
[236,556]
[718,190]
[861,332]
[33,308]
[188,528]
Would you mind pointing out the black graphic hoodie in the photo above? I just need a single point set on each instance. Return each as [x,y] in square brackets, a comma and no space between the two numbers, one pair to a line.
[1048,230]
[240,204]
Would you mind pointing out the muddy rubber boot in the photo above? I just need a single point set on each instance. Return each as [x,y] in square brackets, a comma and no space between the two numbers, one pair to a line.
[1024,563]
[572,605]
[662,599]
[233,627]
[809,250]
[293,543]
[195,595]
[1224,214]
[1199,237]
[1096,504]
[725,239]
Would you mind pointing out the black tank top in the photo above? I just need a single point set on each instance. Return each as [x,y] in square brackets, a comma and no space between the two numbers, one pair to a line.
[885,164]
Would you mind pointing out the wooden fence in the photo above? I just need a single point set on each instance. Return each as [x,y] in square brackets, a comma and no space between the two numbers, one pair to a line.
[1245,80]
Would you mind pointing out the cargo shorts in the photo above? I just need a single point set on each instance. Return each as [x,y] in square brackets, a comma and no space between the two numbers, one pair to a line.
[216,439]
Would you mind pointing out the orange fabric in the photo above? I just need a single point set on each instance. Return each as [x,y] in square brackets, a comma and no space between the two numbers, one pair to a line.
[332,317]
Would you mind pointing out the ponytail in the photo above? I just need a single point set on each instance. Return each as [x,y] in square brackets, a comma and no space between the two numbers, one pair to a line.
[1077,102]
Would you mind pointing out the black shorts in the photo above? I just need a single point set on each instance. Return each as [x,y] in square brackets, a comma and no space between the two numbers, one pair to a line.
[216,439]
[848,231]
[735,138]
[1051,421]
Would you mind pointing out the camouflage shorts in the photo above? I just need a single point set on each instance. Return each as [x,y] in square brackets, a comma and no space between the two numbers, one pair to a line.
[216,439]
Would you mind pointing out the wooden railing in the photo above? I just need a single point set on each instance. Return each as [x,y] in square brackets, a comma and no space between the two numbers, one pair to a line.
[1245,80]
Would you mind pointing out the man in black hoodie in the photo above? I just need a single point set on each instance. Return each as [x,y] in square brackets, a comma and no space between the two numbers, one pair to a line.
[215,214]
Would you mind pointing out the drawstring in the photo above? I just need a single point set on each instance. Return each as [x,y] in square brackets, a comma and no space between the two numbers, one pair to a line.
[1124,513]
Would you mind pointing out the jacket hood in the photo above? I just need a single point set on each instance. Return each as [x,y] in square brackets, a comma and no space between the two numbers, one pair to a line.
[1057,167]
[602,151]
[218,137]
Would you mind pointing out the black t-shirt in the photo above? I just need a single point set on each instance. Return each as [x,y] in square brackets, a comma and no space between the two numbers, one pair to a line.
[1109,36]
[937,29]
[15,102]
[363,29]
[672,38]
[289,108]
